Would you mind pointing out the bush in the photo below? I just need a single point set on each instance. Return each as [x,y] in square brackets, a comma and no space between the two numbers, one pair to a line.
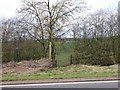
[22,50]
[93,52]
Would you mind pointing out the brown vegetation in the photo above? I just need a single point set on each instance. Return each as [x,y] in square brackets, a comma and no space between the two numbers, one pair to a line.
[26,66]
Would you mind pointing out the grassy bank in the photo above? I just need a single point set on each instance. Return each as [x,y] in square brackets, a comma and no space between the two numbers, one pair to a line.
[73,71]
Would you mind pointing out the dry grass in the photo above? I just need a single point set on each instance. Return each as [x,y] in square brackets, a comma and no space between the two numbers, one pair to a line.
[26,66]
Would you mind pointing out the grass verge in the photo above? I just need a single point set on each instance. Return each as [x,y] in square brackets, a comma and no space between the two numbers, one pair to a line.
[73,71]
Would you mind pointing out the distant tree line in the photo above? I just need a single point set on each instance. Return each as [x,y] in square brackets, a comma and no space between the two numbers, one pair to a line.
[98,44]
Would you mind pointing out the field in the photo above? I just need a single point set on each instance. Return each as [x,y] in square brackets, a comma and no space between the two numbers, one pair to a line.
[64,52]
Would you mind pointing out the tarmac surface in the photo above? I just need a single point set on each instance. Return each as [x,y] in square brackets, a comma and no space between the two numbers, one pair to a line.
[88,84]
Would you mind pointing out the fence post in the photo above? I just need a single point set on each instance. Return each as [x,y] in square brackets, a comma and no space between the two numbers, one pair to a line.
[71,58]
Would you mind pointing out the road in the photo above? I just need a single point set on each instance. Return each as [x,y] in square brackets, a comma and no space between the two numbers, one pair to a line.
[93,84]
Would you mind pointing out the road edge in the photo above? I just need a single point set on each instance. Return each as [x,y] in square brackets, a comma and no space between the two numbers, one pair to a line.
[59,80]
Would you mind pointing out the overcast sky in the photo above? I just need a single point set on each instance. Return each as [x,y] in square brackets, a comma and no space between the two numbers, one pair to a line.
[8,7]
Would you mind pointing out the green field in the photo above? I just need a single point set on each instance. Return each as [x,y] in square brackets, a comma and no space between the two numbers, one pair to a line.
[64,52]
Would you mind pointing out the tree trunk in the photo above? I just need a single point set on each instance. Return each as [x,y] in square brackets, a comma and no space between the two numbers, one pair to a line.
[53,53]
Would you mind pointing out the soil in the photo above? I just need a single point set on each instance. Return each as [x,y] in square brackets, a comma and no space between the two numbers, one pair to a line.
[26,66]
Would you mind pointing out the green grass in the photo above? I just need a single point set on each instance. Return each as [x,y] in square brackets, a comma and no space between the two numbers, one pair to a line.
[64,51]
[63,59]
[73,71]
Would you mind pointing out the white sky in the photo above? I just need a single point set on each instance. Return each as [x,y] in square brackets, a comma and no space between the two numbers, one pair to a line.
[103,3]
[8,7]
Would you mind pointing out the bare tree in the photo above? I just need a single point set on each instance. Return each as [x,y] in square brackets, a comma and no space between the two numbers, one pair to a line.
[47,20]
[98,33]
[10,30]
[7,28]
